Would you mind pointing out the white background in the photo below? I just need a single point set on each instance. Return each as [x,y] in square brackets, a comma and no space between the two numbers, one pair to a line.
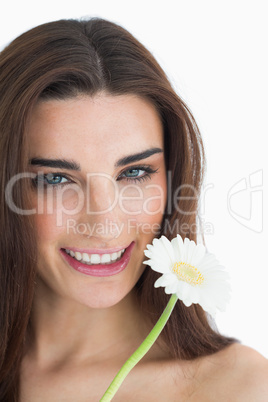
[215,53]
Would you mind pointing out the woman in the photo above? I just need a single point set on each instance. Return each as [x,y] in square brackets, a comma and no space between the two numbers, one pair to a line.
[99,156]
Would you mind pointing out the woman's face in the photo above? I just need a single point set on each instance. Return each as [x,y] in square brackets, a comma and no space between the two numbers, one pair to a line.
[101,188]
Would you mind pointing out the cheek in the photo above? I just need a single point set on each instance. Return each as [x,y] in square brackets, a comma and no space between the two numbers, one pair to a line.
[67,199]
[54,206]
[47,230]
[144,206]
[139,200]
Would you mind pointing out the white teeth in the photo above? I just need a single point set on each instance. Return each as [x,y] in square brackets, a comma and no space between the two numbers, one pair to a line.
[91,259]
[95,259]
[78,255]
[105,258]
[85,257]
[119,253]
[114,256]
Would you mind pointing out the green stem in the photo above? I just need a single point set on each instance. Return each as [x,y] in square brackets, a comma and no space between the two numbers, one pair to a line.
[140,352]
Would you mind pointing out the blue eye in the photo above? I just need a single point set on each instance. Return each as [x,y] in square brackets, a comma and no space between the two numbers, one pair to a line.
[50,179]
[133,172]
[137,173]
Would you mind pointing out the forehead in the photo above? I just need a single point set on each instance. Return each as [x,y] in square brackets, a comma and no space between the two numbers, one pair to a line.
[99,125]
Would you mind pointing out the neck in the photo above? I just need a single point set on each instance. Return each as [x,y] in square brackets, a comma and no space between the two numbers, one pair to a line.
[63,330]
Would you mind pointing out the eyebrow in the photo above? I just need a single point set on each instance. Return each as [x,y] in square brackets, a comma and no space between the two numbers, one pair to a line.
[72,165]
[137,157]
[55,163]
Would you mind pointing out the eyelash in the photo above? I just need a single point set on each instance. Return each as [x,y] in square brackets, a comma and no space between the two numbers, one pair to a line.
[148,173]
[147,169]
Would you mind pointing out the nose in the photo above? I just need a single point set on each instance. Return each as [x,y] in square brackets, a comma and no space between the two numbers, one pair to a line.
[102,193]
[101,213]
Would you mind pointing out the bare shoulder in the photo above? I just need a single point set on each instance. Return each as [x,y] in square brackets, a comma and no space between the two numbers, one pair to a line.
[247,364]
[237,373]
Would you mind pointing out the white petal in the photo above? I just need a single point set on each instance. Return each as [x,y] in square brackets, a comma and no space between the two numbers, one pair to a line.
[215,280]
[172,288]
[216,297]
[186,242]
[190,247]
[169,249]
[183,290]
[205,302]
[160,251]
[194,294]
[164,280]
[158,267]
[187,301]
[208,261]
[150,247]
[161,260]
[148,253]
[198,255]
[178,248]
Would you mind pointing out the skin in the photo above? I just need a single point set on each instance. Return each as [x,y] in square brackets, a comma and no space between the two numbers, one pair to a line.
[84,328]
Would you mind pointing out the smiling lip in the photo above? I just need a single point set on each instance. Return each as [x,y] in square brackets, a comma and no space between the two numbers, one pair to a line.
[99,269]
[95,250]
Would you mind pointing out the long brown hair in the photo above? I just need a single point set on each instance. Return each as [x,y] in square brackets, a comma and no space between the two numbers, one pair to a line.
[63,59]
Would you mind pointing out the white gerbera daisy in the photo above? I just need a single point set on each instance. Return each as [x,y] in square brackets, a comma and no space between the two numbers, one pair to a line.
[191,273]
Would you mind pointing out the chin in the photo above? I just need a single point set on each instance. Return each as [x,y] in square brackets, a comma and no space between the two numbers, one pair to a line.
[105,297]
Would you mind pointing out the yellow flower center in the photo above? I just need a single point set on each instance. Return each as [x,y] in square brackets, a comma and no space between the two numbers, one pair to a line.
[187,273]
